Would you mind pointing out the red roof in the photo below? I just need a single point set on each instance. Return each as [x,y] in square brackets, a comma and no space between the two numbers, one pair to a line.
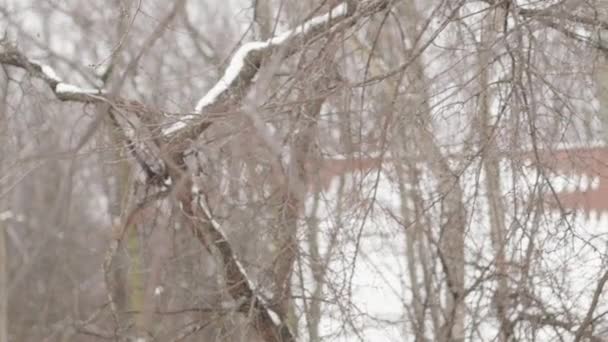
[576,163]
[572,163]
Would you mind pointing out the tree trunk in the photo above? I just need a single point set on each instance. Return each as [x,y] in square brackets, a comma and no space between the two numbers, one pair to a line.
[491,168]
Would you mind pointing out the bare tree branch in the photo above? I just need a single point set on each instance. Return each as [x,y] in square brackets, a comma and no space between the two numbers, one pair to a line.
[245,63]
[10,55]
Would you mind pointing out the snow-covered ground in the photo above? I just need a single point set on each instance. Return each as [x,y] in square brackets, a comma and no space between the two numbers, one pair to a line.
[369,292]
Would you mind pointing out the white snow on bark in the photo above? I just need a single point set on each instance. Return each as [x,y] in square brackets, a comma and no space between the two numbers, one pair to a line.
[274,316]
[232,72]
[336,12]
[182,123]
[201,202]
[70,88]
[49,72]
[230,75]
[238,62]
[244,273]
[158,290]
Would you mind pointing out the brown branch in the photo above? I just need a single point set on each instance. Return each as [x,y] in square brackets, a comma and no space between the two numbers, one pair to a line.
[228,92]
[118,232]
[552,321]
[210,233]
[580,332]
[561,15]
[246,62]
[556,18]
[10,55]
[570,34]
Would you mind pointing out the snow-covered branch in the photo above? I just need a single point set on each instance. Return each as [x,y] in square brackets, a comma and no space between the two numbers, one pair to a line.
[126,115]
[229,91]
[233,72]
[245,62]
[163,159]
[10,55]
[241,287]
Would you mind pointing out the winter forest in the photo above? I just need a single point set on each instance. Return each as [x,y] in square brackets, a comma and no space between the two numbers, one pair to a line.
[288,170]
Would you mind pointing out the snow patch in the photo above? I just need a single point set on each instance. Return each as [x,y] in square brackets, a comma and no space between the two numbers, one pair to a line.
[179,124]
[207,212]
[231,73]
[6,215]
[70,88]
[274,317]
[50,72]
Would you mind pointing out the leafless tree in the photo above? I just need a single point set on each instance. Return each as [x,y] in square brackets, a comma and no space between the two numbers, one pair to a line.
[279,170]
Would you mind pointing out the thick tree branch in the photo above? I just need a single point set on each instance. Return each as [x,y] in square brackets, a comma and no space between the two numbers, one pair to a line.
[229,91]
[128,116]
[10,55]
[246,61]
[240,286]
